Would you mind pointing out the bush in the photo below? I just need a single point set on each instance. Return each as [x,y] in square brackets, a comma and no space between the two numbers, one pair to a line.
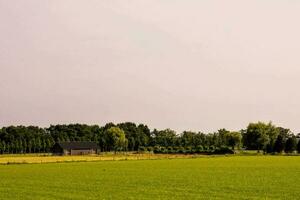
[211,148]
[175,149]
[142,149]
[223,150]
[206,149]
[163,150]
[150,149]
[194,150]
[181,150]
[157,149]
[217,149]
[170,150]
[199,149]
[188,149]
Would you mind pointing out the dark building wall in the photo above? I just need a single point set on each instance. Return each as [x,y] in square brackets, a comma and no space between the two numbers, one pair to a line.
[74,148]
[60,151]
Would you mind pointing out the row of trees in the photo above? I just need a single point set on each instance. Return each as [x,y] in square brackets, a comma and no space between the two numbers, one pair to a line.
[23,139]
[269,138]
[132,137]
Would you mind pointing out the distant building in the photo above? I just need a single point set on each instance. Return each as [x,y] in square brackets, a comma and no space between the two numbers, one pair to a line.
[75,148]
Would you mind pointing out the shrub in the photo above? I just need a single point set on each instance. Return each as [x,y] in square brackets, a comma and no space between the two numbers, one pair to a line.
[150,149]
[175,149]
[181,150]
[199,149]
[223,150]
[195,150]
[211,148]
[188,149]
[163,150]
[142,149]
[216,149]
[206,149]
[157,149]
[170,150]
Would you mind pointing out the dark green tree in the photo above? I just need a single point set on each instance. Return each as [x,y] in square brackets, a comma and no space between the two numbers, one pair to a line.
[29,146]
[1,147]
[279,144]
[188,139]
[115,139]
[291,145]
[221,137]
[259,135]
[138,136]
[165,138]
[233,139]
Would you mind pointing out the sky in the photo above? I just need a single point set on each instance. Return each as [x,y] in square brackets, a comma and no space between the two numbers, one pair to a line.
[196,65]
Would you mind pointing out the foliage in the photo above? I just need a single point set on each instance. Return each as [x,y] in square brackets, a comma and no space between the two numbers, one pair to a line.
[164,138]
[233,139]
[21,139]
[291,145]
[137,135]
[259,135]
[279,144]
[115,139]
[129,136]
[223,150]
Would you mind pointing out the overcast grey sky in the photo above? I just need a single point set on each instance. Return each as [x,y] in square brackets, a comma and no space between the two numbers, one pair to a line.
[182,64]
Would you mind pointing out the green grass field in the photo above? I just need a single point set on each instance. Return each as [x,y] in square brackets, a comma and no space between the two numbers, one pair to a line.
[234,177]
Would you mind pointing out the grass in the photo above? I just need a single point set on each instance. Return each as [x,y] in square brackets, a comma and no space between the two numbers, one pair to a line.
[48,158]
[233,177]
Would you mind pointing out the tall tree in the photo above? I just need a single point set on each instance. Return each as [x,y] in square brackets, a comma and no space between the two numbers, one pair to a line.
[222,137]
[115,139]
[188,139]
[259,135]
[291,144]
[137,135]
[279,144]
[233,139]
[1,147]
[165,138]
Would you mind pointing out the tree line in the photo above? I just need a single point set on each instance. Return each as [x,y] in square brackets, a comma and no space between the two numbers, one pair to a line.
[129,136]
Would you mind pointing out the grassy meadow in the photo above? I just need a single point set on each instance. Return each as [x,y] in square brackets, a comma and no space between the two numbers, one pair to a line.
[48,158]
[233,177]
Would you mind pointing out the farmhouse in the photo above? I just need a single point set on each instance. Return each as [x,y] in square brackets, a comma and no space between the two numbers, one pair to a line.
[75,148]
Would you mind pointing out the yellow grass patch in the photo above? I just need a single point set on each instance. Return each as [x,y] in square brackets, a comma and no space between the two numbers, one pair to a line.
[48,158]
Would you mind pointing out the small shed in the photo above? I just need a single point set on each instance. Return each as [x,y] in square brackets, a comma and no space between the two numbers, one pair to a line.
[75,148]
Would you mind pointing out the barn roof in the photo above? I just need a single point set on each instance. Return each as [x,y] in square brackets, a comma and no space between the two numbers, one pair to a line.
[78,145]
